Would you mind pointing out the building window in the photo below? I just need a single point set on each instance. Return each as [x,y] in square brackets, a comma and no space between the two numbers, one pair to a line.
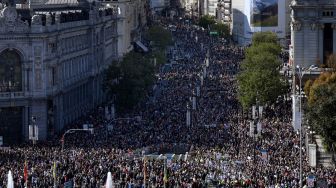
[10,71]
[328,13]
[53,76]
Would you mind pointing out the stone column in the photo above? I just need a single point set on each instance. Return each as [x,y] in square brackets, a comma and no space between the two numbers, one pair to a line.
[296,38]
[321,28]
[26,122]
[333,26]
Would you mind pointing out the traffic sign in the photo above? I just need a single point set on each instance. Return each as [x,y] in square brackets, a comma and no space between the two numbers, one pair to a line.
[213,33]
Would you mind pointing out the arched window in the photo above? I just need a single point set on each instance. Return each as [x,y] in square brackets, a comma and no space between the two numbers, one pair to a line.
[10,71]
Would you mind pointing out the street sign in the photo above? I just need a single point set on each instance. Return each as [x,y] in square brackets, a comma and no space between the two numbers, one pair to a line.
[213,33]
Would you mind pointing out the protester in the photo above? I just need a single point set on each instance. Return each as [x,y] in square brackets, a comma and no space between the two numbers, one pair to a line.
[215,150]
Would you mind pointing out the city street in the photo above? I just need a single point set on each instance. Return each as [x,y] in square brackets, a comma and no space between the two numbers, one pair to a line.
[192,133]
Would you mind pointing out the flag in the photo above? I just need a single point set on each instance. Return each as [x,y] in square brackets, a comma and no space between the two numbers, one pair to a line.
[165,176]
[54,170]
[25,172]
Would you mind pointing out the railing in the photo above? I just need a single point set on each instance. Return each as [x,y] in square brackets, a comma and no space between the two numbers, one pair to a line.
[7,95]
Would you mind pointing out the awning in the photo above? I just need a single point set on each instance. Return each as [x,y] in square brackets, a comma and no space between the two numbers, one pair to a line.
[142,46]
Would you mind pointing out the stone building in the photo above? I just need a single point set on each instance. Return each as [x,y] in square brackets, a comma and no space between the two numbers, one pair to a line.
[132,18]
[250,16]
[224,11]
[51,60]
[313,31]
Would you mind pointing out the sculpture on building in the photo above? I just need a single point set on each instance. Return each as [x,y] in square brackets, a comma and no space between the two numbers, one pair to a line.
[36,20]
[296,25]
[10,21]
[313,26]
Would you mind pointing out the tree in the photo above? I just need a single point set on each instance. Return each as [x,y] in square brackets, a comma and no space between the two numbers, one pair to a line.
[321,107]
[129,80]
[206,21]
[222,29]
[331,62]
[264,37]
[160,36]
[260,79]
[311,87]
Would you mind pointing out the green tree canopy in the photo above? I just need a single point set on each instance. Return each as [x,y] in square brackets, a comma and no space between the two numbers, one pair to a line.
[264,37]
[272,48]
[259,83]
[160,36]
[321,107]
[206,21]
[129,80]
[260,78]
[222,29]
[311,87]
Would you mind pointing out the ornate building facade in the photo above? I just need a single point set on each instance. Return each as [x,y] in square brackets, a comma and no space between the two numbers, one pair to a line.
[51,60]
[313,31]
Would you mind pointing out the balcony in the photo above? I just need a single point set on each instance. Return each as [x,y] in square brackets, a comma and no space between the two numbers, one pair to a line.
[12,95]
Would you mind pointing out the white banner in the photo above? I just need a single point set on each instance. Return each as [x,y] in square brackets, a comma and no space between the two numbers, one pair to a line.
[259,128]
[194,103]
[31,132]
[188,118]
[260,111]
[112,112]
[107,113]
[253,112]
[36,131]
[251,128]
[296,112]
[204,72]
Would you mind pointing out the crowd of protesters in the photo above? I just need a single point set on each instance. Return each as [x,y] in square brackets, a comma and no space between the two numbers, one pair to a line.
[216,148]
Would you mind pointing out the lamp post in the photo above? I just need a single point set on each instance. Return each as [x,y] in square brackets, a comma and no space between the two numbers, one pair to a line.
[301,72]
[300,75]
